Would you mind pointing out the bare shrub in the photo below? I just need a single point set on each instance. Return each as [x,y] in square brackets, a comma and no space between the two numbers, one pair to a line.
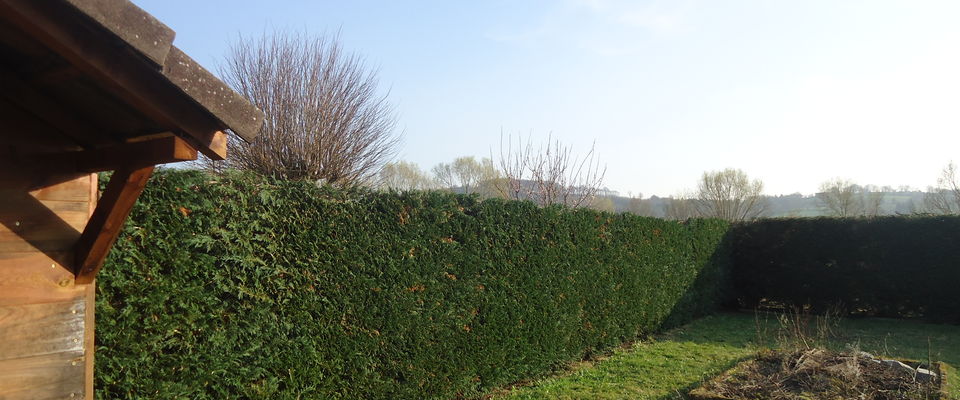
[945,197]
[325,119]
[730,195]
[549,173]
[800,330]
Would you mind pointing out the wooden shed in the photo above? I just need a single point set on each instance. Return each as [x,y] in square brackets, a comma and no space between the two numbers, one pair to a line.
[85,86]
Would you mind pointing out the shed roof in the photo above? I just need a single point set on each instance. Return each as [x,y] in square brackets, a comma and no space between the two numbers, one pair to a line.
[90,75]
[97,85]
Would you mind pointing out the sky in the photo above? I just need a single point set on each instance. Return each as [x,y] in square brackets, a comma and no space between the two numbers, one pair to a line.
[791,92]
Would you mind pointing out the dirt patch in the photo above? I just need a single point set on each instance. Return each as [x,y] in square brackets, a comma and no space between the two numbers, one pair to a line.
[819,374]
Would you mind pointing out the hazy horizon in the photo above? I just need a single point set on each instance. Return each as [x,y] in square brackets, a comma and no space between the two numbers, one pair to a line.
[791,93]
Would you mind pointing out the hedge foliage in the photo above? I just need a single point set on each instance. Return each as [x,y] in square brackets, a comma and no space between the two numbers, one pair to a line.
[241,287]
[887,266]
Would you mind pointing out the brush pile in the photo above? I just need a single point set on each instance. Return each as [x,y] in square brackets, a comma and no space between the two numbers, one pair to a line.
[820,374]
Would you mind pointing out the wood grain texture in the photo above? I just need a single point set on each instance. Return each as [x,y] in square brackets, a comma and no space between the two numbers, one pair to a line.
[47,219]
[23,178]
[89,344]
[57,206]
[89,317]
[94,192]
[163,150]
[52,376]
[34,277]
[38,329]
[38,268]
[46,331]
[29,224]
[75,189]
[104,226]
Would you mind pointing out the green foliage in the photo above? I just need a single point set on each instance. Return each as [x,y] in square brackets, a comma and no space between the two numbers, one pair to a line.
[240,287]
[888,266]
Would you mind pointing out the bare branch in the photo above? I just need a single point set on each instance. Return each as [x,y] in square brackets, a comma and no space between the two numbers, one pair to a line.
[325,119]
[945,197]
[549,173]
[841,197]
[730,195]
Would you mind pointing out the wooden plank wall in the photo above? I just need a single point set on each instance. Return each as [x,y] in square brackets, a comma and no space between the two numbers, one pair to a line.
[46,321]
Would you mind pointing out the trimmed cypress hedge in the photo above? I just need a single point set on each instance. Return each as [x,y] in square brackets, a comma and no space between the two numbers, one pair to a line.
[887,266]
[243,287]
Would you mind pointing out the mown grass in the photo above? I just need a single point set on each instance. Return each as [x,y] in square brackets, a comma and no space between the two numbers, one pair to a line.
[670,365]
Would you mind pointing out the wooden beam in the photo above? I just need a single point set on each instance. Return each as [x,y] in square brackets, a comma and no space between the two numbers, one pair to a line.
[27,133]
[56,75]
[104,226]
[119,70]
[39,104]
[163,150]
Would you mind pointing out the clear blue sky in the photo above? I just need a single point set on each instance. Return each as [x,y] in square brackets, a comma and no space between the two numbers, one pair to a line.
[792,92]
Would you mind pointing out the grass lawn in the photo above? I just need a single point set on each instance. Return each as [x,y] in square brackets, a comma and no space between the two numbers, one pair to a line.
[669,365]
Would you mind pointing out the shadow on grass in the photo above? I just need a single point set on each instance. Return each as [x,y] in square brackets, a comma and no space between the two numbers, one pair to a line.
[684,392]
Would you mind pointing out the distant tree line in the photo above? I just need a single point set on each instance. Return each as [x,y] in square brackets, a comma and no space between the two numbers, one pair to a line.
[944,198]
[547,174]
[327,121]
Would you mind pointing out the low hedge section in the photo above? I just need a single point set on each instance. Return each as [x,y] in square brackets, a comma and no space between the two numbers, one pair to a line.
[886,266]
[244,287]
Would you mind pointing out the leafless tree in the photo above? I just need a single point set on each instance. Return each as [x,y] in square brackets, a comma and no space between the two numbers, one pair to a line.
[680,207]
[549,173]
[840,197]
[469,175]
[843,198]
[325,118]
[403,175]
[730,195]
[945,197]
[640,206]
[873,200]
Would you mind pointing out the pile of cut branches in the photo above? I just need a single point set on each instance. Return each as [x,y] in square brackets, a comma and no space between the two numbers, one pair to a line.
[820,374]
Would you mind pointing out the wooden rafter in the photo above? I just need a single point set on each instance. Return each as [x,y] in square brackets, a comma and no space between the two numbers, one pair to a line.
[40,105]
[162,150]
[132,79]
[56,75]
[31,134]
[104,226]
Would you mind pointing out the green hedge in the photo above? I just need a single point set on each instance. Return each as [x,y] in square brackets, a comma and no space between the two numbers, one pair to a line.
[240,287]
[888,266]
